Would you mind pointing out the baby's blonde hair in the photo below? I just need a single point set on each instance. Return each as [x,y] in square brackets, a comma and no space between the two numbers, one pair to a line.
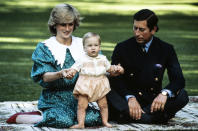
[91,34]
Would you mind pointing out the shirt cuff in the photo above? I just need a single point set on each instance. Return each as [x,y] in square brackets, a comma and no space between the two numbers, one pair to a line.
[170,94]
[129,96]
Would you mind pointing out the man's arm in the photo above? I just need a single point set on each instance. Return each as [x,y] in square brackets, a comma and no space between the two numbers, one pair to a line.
[119,83]
[176,83]
[175,74]
[121,86]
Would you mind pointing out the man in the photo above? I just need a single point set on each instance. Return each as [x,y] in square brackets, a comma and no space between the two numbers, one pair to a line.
[137,95]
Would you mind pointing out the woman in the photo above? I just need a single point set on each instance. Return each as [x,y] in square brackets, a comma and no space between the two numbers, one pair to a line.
[51,59]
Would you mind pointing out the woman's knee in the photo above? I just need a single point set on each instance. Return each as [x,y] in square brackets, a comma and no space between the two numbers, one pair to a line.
[58,117]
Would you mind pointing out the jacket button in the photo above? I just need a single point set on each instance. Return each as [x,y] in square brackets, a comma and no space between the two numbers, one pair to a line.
[151,89]
[156,79]
[131,74]
[140,93]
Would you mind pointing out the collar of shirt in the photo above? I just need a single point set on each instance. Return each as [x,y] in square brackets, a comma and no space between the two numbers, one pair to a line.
[147,45]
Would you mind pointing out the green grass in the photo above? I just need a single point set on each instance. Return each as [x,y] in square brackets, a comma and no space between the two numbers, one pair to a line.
[23,24]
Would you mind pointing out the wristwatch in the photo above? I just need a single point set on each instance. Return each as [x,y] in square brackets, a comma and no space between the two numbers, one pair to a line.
[165,93]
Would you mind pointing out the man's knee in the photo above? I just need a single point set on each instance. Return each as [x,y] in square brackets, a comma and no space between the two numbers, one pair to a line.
[175,104]
[118,102]
[182,97]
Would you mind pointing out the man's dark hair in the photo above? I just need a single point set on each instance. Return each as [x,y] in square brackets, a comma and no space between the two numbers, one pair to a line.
[149,16]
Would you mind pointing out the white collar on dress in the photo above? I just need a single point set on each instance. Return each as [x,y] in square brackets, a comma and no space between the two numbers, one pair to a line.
[59,50]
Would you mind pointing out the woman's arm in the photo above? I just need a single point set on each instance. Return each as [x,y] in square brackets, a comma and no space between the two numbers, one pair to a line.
[51,76]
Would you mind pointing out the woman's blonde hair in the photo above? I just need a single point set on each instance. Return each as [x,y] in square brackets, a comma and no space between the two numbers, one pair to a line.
[91,34]
[63,13]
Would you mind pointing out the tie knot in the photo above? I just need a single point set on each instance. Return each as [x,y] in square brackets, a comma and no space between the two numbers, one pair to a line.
[142,45]
[143,48]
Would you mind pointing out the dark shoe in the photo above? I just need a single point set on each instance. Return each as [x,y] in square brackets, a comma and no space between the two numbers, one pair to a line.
[12,119]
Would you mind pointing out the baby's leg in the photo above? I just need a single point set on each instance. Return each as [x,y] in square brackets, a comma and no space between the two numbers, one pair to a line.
[82,106]
[102,103]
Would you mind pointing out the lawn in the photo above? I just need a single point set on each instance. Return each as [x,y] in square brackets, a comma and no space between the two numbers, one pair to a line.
[23,23]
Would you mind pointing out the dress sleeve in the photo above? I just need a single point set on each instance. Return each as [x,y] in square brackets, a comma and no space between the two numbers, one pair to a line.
[43,62]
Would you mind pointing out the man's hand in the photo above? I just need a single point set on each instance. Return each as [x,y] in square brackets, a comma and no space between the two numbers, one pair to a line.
[116,70]
[159,103]
[120,69]
[134,108]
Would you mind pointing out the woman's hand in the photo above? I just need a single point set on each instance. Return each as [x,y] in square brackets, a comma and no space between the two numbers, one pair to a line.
[63,73]
[51,76]
[70,73]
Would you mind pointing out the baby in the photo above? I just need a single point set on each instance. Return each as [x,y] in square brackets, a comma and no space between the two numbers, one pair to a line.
[92,84]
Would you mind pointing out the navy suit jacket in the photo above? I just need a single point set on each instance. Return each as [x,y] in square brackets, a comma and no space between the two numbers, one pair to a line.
[144,71]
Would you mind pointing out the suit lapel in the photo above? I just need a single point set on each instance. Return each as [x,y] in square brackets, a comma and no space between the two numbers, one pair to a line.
[155,51]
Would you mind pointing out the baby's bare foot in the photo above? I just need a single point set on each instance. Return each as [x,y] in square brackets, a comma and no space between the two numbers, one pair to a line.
[77,126]
[107,125]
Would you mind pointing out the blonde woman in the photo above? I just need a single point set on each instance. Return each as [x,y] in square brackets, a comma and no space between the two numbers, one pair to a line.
[51,59]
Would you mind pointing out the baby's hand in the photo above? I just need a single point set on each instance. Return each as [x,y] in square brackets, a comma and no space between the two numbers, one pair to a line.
[71,73]
[116,70]
[63,73]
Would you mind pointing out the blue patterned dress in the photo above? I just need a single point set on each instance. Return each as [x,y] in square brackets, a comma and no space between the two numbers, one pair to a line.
[57,102]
